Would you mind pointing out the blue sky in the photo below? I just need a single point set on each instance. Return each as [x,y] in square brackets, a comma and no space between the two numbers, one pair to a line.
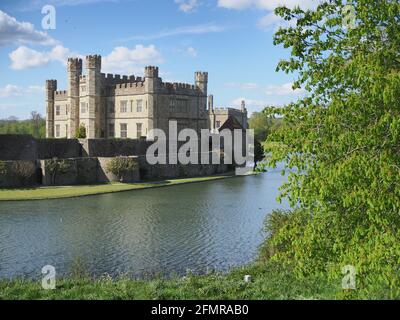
[231,39]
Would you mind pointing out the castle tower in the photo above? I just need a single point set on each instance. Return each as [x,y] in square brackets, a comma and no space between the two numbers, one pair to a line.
[201,80]
[211,102]
[51,87]
[211,113]
[74,70]
[93,83]
[151,83]
[244,114]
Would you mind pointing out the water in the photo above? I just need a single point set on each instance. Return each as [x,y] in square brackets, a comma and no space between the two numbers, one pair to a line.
[215,225]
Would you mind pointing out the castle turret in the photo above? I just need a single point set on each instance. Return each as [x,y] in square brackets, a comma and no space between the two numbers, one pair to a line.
[201,80]
[211,102]
[93,84]
[74,70]
[152,82]
[211,113]
[51,87]
[244,114]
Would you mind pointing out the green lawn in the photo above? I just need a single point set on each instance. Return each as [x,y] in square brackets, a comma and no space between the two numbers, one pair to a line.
[42,193]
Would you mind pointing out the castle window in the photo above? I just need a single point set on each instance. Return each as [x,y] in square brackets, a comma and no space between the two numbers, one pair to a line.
[83,107]
[124,130]
[58,110]
[66,131]
[218,124]
[67,109]
[138,130]
[111,130]
[57,130]
[124,106]
[172,105]
[139,104]
[131,105]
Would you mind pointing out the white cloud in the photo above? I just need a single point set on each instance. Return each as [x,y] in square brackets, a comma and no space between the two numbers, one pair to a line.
[272,22]
[244,86]
[279,90]
[265,4]
[12,90]
[15,32]
[197,29]
[235,4]
[121,59]
[249,102]
[191,52]
[187,5]
[125,60]
[283,90]
[24,57]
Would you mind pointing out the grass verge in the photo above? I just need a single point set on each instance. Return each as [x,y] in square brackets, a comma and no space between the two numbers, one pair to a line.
[269,282]
[44,193]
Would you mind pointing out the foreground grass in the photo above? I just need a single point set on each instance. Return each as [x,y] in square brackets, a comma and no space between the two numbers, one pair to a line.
[42,193]
[268,283]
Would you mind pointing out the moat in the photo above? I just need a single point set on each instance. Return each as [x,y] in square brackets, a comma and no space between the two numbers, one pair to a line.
[209,225]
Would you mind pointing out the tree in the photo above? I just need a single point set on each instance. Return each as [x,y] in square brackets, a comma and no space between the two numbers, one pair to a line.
[258,153]
[121,165]
[263,124]
[36,119]
[81,132]
[24,170]
[341,145]
[56,166]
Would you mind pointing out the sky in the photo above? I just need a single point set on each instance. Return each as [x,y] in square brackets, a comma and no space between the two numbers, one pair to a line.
[230,39]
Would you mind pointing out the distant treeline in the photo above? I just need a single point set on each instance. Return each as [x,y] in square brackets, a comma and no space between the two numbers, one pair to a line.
[35,126]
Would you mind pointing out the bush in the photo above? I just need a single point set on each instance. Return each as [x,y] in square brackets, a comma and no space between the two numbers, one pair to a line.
[121,165]
[81,132]
[3,169]
[55,166]
[24,170]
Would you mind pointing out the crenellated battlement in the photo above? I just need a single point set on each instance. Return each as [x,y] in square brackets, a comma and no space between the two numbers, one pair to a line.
[224,110]
[151,72]
[93,62]
[51,85]
[61,95]
[74,65]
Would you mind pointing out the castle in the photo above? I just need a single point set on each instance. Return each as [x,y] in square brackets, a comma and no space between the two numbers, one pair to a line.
[114,106]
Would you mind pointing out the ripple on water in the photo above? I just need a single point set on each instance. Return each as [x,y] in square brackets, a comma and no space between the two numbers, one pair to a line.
[197,226]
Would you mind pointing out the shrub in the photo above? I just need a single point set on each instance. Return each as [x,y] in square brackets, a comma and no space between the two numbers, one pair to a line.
[3,168]
[121,165]
[81,132]
[23,170]
[55,166]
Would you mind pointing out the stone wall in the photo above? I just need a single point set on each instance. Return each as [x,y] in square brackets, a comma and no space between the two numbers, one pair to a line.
[17,147]
[18,173]
[58,148]
[83,171]
[114,147]
[86,161]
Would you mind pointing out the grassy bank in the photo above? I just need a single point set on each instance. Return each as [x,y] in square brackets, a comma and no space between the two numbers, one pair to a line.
[268,283]
[42,193]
